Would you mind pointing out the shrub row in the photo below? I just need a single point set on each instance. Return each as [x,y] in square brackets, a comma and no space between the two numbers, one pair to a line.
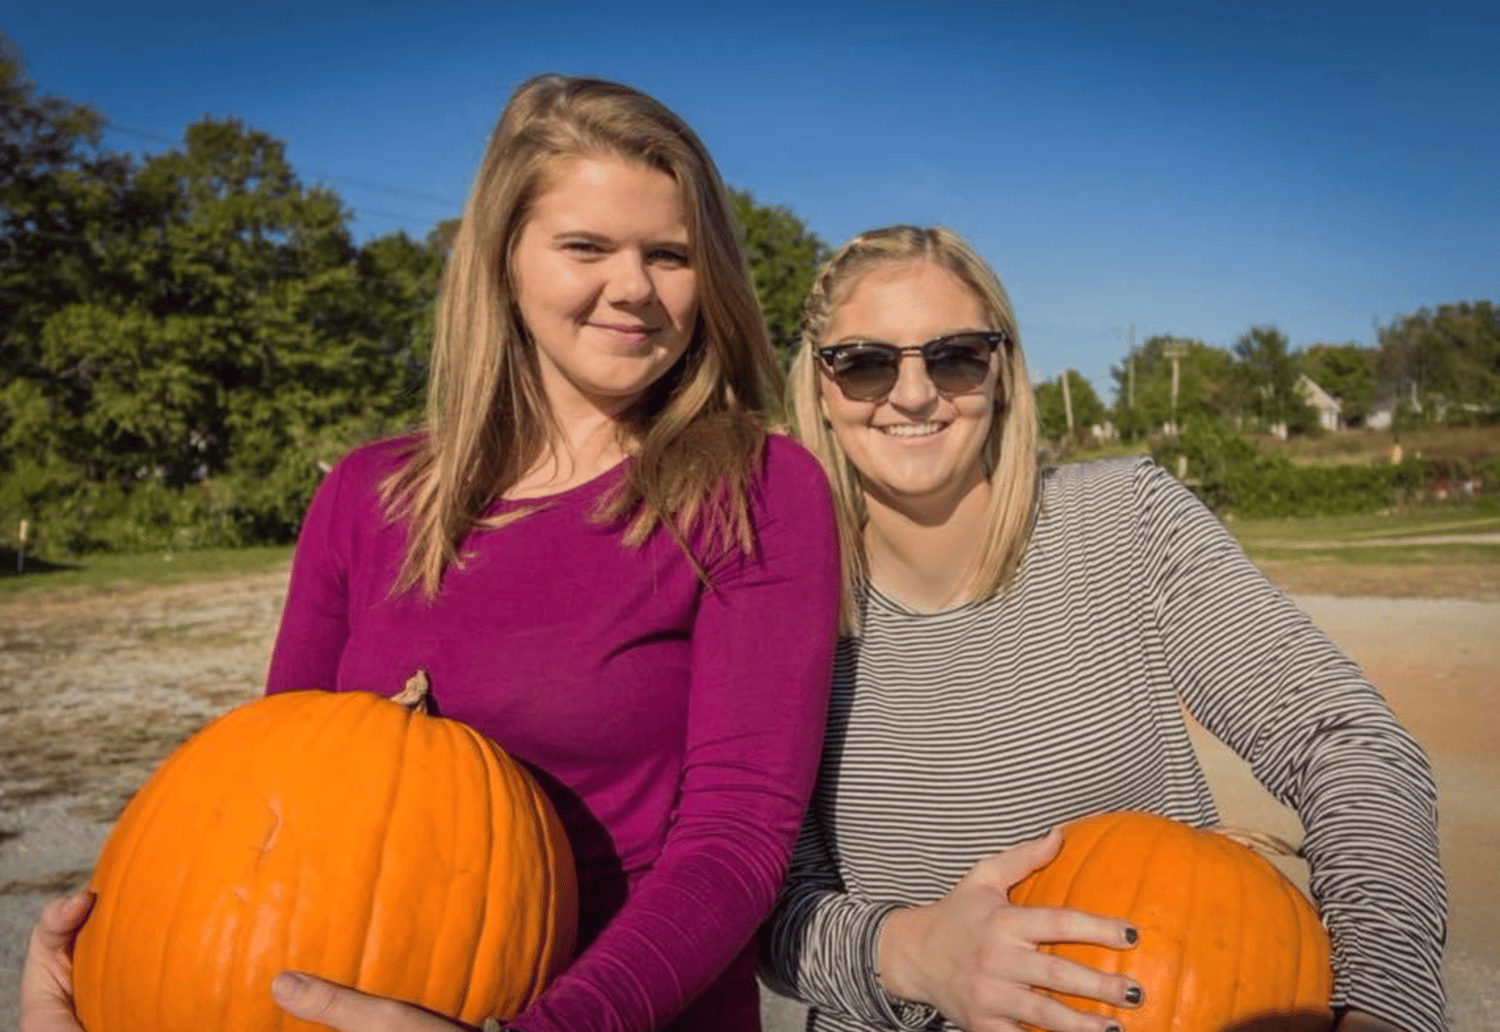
[1227,472]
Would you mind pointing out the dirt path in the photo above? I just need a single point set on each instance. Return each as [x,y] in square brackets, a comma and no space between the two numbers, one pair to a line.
[96,689]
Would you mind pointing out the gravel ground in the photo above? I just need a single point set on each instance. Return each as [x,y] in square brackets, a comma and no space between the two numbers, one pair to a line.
[95,689]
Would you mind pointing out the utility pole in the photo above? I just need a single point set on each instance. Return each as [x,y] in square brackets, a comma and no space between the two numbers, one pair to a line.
[1062,378]
[1175,352]
[1130,371]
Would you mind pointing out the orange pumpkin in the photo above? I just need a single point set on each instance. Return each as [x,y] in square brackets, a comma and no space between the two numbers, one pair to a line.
[338,833]
[1227,944]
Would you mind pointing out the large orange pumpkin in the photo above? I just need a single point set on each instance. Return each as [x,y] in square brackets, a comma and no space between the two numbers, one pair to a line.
[1227,944]
[339,833]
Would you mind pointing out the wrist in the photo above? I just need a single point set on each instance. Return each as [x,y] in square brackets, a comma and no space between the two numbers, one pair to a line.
[897,942]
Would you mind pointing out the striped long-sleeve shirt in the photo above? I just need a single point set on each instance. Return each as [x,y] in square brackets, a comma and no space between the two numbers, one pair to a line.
[955,735]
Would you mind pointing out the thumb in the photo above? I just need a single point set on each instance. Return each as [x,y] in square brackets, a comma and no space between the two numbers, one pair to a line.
[349,1010]
[61,919]
[1003,870]
[313,999]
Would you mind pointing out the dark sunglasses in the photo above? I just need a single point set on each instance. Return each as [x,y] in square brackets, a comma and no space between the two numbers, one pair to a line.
[868,370]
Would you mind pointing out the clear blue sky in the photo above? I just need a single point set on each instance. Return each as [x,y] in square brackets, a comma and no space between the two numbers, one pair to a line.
[1186,167]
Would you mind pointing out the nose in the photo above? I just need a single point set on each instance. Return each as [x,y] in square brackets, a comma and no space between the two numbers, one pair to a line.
[630,281]
[914,389]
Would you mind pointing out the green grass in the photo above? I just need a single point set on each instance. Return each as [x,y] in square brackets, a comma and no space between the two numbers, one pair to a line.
[111,571]
[1352,540]
[1482,518]
[1384,555]
[1362,447]
[1343,539]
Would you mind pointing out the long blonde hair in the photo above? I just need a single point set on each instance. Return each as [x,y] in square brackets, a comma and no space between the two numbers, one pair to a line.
[1010,448]
[697,431]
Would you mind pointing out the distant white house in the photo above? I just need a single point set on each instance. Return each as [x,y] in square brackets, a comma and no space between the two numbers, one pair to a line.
[1382,415]
[1330,412]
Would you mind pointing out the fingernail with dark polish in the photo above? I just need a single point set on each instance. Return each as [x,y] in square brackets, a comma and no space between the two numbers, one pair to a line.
[1133,996]
[1131,936]
[1113,1028]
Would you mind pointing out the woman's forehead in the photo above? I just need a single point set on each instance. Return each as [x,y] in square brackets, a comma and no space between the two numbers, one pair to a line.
[903,300]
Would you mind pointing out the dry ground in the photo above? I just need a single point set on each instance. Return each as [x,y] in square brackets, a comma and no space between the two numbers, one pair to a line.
[96,688]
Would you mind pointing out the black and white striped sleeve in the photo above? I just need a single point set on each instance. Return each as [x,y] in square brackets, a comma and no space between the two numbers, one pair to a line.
[1255,671]
[819,945]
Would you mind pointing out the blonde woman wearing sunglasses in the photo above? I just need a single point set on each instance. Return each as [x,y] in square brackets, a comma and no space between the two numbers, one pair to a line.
[1019,644]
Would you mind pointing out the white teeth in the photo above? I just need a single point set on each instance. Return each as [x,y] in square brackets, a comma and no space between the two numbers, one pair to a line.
[911,429]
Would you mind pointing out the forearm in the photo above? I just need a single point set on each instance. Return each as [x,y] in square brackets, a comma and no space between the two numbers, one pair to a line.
[682,926]
[1257,673]
[822,947]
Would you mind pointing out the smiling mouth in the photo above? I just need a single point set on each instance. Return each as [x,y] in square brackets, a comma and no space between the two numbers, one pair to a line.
[911,429]
[625,331]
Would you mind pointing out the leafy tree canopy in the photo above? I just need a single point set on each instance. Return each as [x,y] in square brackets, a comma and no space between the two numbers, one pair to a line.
[784,257]
[1447,359]
[1052,407]
[1346,371]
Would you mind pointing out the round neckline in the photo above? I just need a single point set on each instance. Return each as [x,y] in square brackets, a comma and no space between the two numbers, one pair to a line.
[894,605]
[595,483]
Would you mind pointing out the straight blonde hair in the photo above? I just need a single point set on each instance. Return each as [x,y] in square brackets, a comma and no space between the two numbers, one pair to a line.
[697,432]
[1010,448]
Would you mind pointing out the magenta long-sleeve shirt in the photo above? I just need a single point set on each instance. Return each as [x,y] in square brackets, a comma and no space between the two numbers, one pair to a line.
[675,727]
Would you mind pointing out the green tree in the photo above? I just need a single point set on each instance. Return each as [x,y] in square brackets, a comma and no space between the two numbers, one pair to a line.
[1088,411]
[784,257]
[1207,390]
[240,339]
[1346,371]
[1268,371]
[1447,361]
[58,195]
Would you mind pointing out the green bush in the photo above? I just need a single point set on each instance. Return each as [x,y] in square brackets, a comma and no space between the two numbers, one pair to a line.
[1227,472]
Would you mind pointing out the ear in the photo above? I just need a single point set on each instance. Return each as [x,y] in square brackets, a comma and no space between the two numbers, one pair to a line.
[823,404]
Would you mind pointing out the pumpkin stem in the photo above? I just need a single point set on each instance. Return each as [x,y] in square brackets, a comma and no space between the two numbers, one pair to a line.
[416,694]
[1263,841]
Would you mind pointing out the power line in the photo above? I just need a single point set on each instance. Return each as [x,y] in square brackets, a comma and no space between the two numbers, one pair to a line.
[363,184]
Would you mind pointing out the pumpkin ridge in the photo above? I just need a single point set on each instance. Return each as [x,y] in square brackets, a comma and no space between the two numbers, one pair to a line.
[561,939]
[429,739]
[304,912]
[528,812]
[1174,999]
[202,762]
[117,858]
[369,954]
[273,742]
[1238,989]
[207,763]
[518,996]
[465,994]
[487,937]
[534,817]
[1161,840]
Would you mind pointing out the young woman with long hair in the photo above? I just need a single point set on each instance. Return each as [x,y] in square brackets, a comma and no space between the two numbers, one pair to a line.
[599,556]
[1020,646]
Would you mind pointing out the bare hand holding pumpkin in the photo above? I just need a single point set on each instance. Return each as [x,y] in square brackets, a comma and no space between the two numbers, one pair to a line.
[348,1010]
[46,994]
[973,955]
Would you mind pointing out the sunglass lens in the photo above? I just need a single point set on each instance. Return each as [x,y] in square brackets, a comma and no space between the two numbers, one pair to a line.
[957,364]
[866,373]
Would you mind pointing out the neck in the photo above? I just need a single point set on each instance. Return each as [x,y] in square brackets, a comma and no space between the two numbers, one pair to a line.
[580,450]
[927,556]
